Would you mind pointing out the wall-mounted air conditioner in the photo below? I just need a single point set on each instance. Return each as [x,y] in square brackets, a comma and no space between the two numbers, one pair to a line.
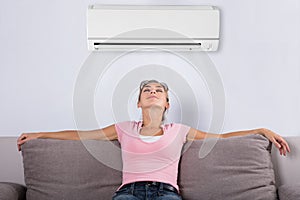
[113,27]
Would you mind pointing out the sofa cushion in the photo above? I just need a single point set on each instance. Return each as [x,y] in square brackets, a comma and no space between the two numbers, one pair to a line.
[236,168]
[289,192]
[12,191]
[62,169]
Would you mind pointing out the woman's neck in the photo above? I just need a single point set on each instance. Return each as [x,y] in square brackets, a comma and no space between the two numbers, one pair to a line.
[152,117]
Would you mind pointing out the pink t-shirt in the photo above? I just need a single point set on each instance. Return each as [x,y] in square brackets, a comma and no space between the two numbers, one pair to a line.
[155,161]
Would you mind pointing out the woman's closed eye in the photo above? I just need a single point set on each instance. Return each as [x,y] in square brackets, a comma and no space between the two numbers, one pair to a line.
[146,90]
[157,90]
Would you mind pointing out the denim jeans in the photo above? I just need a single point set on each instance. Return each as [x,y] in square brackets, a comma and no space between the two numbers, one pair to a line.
[146,191]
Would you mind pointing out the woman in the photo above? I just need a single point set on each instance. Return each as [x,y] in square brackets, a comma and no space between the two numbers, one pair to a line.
[151,150]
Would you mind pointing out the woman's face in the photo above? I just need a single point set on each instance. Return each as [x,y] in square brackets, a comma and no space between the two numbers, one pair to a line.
[153,94]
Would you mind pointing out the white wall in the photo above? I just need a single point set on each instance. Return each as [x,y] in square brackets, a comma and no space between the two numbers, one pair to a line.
[43,48]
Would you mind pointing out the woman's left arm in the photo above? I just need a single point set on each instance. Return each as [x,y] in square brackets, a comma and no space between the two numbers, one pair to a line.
[276,139]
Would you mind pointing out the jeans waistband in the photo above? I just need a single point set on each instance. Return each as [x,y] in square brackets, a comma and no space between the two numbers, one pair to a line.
[165,186]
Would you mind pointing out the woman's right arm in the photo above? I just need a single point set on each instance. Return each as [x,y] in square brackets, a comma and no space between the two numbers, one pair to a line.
[107,133]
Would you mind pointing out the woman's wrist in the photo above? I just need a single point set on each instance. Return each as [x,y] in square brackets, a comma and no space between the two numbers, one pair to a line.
[38,135]
[260,131]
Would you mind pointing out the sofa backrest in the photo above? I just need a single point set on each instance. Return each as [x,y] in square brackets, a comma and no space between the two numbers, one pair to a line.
[286,168]
[239,167]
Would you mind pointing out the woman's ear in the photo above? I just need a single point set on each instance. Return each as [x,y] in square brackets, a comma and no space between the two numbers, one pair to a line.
[168,105]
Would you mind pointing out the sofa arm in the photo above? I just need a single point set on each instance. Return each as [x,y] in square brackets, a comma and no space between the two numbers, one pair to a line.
[12,191]
[289,192]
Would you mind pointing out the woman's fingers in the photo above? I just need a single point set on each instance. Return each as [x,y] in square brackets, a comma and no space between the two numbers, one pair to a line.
[284,147]
[24,138]
[281,151]
[21,141]
[278,141]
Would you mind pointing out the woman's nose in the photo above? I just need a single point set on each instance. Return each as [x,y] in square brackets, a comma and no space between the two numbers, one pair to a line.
[152,91]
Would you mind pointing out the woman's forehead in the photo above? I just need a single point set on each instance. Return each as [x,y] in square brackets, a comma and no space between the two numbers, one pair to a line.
[155,85]
[158,85]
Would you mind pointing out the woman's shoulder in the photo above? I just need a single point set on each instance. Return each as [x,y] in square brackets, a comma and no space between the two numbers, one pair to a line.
[125,125]
[128,123]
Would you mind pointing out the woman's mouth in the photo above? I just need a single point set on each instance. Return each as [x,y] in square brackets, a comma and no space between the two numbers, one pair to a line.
[151,97]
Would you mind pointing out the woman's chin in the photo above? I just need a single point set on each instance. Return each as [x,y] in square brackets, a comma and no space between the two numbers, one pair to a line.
[154,107]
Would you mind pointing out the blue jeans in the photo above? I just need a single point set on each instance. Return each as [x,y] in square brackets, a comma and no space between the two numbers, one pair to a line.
[146,191]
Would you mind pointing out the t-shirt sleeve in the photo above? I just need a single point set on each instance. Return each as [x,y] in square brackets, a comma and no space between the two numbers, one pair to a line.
[119,126]
[123,128]
[183,130]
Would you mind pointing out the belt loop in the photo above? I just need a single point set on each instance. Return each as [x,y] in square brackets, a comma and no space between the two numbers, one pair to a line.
[132,188]
[161,186]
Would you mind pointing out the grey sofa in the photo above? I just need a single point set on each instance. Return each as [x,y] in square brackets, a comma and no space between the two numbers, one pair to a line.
[235,168]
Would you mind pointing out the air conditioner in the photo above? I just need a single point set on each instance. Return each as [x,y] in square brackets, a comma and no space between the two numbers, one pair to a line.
[187,28]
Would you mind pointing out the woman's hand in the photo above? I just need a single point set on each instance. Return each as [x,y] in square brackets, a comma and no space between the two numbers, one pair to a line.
[277,140]
[25,137]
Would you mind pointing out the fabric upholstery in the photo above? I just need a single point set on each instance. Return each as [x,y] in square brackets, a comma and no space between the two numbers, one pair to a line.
[287,167]
[236,168]
[289,192]
[12,191]
[61,169]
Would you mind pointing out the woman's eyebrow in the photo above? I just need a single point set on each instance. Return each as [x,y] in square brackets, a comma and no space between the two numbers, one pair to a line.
[158,86]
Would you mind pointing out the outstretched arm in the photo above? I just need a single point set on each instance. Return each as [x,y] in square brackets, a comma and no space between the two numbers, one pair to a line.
[276,139]
[107,133]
